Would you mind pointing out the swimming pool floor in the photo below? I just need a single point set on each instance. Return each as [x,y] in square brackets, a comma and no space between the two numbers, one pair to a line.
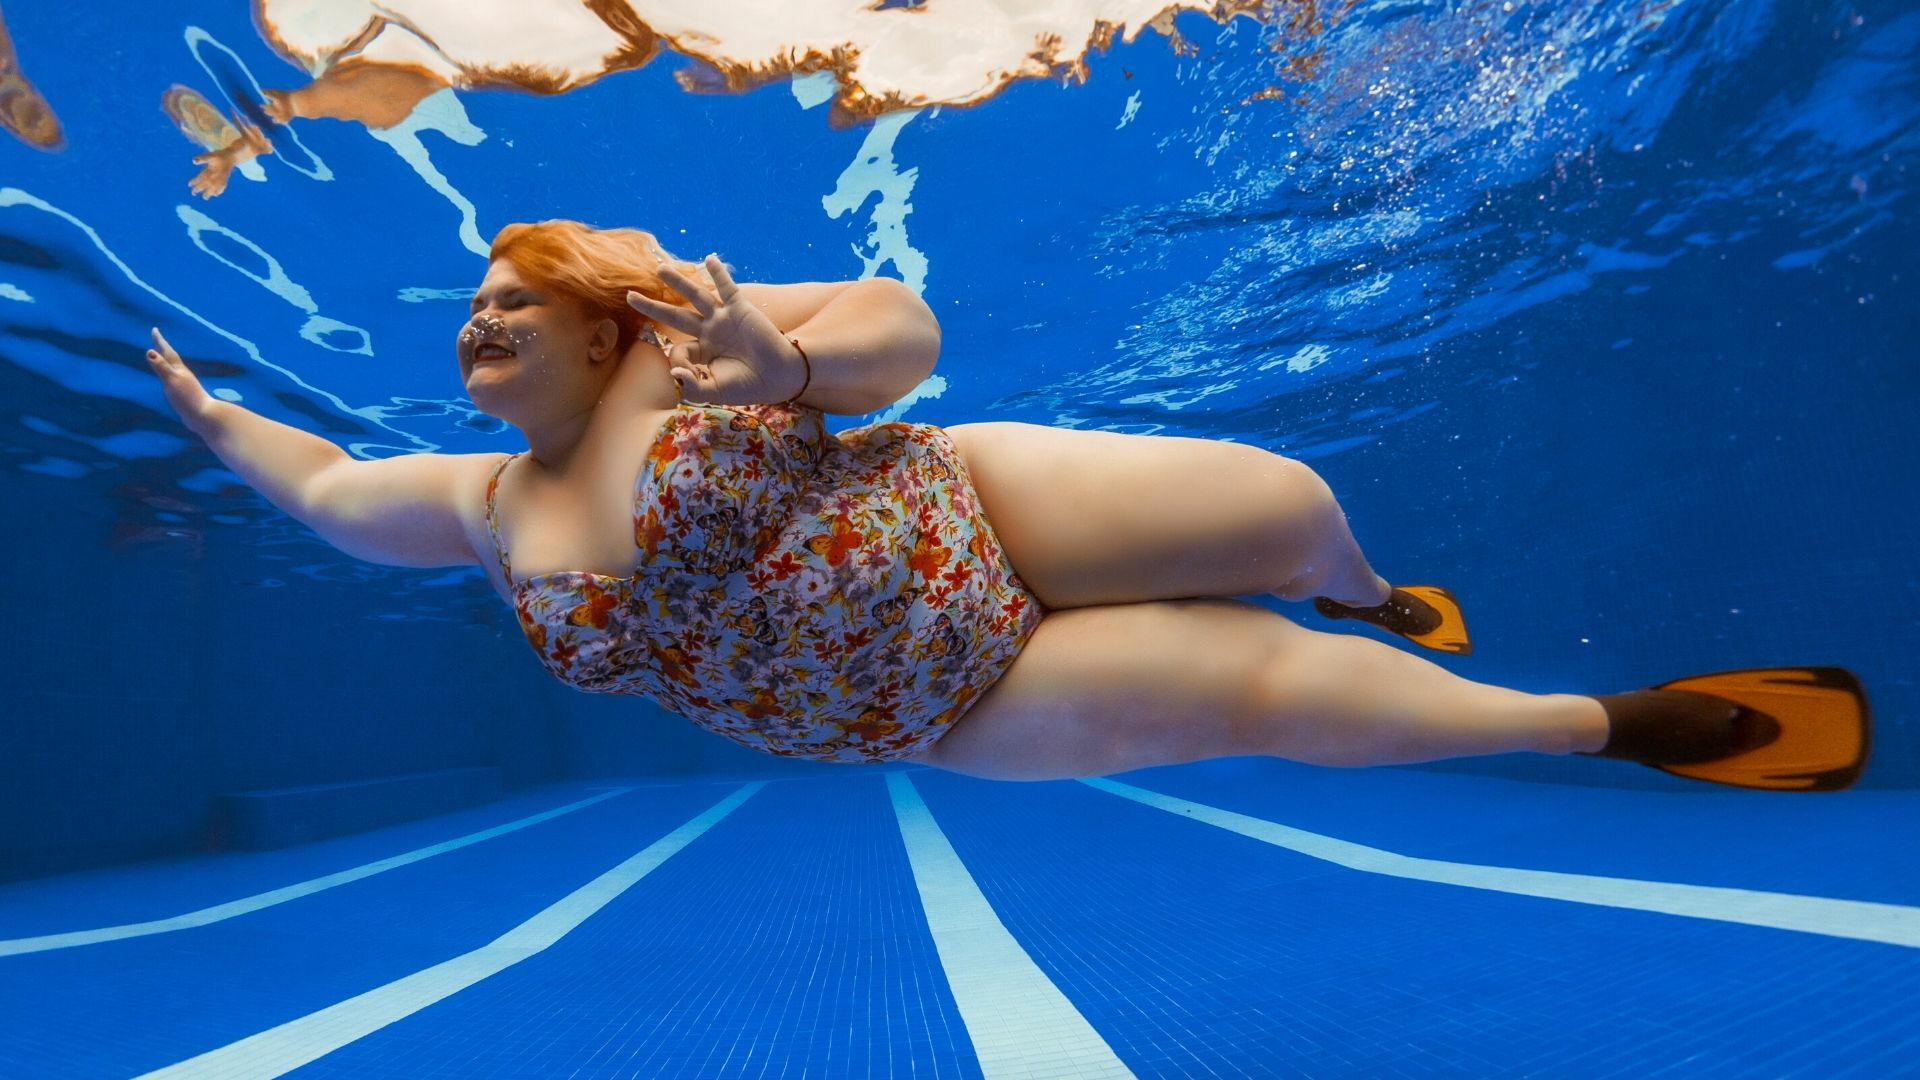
[1243,918]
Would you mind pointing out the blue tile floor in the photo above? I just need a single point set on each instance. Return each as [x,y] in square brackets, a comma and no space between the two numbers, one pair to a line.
[1241,918]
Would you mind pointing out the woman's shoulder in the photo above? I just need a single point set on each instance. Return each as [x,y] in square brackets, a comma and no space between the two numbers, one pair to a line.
[467,477]
[433,468]
[465,470]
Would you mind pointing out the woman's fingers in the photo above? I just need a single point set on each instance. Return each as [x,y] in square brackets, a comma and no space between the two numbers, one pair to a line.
[722,280]
[162,350]
[703,302]
[696,384]
[697,379]
[688,288]
[179,383]
[671,314]
[168,361]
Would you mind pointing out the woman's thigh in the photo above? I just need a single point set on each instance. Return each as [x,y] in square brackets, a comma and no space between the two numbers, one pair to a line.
[1101,517]
[1105,689]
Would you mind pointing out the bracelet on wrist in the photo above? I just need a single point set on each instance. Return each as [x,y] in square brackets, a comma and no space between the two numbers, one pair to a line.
[809,381]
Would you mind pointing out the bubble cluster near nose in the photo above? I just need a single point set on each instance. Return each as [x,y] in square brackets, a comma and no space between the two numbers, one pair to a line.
[492,328]
[484,326]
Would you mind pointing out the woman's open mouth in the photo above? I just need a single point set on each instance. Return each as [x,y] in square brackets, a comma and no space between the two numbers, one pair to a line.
[491,352]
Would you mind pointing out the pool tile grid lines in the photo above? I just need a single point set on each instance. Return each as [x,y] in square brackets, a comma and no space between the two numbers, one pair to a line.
[1018,1019]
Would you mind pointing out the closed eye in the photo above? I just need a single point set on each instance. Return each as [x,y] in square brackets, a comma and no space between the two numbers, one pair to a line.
[512,299]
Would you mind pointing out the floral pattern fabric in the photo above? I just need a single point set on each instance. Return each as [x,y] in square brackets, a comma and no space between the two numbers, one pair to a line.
[837,597]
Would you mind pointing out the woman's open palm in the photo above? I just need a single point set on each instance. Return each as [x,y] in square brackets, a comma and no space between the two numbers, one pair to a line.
[738,357]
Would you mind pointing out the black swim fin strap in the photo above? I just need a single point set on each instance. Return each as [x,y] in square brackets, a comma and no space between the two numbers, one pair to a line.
[1680,727]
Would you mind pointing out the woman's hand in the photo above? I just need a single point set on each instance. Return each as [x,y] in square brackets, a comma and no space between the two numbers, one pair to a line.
[183,388]
[738,357]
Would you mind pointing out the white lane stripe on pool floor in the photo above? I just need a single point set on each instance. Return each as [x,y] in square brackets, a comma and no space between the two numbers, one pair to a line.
[280,1050]
[1863,920]
[1020,1023]
[246,904]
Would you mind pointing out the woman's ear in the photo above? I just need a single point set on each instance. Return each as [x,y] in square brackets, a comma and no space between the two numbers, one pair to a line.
[606,334]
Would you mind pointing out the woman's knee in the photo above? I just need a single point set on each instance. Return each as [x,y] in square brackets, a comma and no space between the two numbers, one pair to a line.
[1317,701]
[1332,564]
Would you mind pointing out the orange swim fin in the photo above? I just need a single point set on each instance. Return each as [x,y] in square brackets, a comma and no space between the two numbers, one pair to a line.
[1449,635]
[1825,729]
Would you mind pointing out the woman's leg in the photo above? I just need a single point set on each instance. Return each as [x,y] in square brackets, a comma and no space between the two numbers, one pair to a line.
[1336,569]
[1349,701]
[1098,518]
[1105,689]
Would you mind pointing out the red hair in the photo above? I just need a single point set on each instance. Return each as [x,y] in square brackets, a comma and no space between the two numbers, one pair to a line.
[594,268]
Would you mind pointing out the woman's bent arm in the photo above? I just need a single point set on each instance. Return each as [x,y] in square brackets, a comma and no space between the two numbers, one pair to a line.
[869,345]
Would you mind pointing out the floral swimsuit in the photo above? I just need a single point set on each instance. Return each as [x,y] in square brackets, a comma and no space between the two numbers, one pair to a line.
[837,597]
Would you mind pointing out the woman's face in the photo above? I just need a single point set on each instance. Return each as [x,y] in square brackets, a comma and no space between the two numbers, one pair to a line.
[529,351]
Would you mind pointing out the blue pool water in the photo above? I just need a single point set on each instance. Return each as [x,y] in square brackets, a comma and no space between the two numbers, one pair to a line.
[1600,315]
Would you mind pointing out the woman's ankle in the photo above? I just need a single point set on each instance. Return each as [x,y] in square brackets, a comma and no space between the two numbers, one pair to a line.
[1590,728]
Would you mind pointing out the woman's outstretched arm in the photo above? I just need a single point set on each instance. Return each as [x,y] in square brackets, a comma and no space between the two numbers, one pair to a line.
[274,459]
[400,511]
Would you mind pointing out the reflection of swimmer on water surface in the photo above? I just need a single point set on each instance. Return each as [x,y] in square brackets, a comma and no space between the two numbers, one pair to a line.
[22,110]
[227,146]
[375,94]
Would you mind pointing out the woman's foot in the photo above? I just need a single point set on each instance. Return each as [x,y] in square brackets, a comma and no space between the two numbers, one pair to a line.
[1403,613]
[1426,615]
[1680,727]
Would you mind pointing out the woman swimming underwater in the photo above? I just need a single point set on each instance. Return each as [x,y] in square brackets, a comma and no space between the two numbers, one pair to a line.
[1004,600]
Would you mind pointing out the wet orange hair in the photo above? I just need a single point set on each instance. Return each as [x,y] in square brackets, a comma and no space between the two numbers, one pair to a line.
[594,268]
